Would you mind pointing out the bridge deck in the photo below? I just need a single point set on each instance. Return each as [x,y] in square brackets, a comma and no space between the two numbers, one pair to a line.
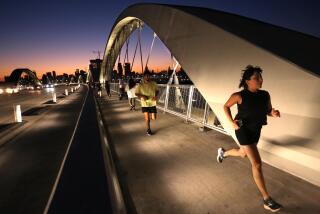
[31,155]
[175,170]
[82,187]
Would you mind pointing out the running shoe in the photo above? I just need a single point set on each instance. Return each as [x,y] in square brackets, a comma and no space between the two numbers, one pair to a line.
[220,155]
[270,204]
[149,133]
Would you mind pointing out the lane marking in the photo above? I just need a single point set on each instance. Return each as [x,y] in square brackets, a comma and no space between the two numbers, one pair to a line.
[64,159]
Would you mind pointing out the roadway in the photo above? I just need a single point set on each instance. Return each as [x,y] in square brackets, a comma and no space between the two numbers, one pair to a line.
[82,186]
[26,99]
[31,158]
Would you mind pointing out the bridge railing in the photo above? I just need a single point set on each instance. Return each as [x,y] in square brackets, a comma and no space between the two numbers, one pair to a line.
[184,101]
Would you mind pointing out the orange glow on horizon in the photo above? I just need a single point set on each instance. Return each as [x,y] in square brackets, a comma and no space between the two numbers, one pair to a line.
[42,70]
[69,62]
[46,61]
[156,63]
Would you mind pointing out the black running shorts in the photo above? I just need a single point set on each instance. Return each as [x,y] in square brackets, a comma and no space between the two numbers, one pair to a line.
[248,136]
[152,109]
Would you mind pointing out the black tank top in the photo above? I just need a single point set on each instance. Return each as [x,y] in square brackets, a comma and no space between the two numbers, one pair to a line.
[253,109]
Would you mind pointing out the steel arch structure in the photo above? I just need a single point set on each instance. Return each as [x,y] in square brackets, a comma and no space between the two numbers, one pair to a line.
[213,47]
[16,74]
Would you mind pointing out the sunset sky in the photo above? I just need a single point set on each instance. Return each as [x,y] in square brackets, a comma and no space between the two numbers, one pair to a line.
[61,35]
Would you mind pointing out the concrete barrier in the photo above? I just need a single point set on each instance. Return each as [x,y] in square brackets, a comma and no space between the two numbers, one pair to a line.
[54,97]
[17,114]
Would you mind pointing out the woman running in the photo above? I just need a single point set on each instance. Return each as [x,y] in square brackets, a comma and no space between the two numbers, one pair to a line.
[131,92]
[253,107]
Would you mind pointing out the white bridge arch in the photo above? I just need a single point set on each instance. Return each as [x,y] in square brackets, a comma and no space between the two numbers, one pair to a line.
[213,47]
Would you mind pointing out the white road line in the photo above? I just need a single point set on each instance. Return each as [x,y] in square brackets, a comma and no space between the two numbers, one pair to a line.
[64,160]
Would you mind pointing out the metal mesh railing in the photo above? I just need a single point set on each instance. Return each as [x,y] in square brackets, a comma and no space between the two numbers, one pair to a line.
[114,87]
[178,99]
[198,106]
[186,102]
[161,96]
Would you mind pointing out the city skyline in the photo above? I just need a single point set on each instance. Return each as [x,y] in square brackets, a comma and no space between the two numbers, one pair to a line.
[62,36]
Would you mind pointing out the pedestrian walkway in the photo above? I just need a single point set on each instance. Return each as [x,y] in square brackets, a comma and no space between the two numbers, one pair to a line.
[175,170]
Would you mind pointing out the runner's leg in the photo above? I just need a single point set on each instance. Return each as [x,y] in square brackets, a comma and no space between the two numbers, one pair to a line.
[256,164]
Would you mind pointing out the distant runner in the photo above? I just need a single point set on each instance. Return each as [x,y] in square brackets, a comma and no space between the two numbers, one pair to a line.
[130,89]
[147,92]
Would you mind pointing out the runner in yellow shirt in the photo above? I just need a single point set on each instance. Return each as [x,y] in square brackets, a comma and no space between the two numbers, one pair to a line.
[147,92]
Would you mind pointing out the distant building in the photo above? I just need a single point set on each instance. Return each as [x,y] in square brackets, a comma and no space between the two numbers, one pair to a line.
[77,72]
[54,75]
[95,67]
[170,71]
[50,77]
[120,70]
[114,75]
[59,79]
[45,79]
[83,76]
[77,75]
[127,69]
[65,78]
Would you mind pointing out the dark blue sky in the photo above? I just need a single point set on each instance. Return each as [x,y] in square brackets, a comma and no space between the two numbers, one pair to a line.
[61,34]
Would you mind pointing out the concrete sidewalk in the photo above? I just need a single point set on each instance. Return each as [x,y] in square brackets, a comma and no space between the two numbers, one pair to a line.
[175,170]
